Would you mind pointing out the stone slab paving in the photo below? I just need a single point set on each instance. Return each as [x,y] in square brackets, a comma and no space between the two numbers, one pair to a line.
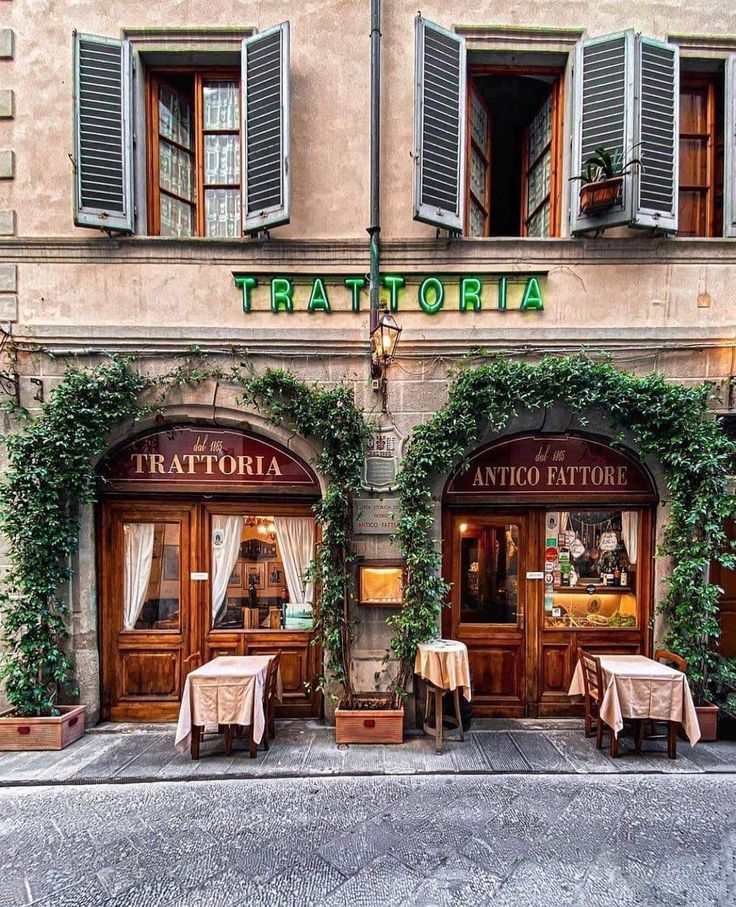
[129,753]
[507,840]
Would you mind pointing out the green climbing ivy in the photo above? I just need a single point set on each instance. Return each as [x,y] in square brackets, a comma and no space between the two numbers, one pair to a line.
[331,416]
[50,474]
[667,420]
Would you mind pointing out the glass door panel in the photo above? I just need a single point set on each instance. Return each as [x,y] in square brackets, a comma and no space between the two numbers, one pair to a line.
[489,574]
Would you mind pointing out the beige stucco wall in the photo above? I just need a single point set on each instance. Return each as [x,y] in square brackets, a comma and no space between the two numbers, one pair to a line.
[647,302]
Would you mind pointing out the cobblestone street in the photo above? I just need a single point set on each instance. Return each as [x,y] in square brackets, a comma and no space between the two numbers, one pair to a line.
[506,840]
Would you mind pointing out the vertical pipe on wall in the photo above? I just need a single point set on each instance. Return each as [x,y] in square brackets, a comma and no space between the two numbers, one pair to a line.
[374,229]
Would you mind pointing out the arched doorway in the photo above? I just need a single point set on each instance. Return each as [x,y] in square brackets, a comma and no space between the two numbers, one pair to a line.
[548,548]
[205,534]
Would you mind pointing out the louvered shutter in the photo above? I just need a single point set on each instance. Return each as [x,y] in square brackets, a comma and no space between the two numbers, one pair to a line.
[439,126]
[265,90]
[729,163]
[604,116]
[103,133]
[657,134]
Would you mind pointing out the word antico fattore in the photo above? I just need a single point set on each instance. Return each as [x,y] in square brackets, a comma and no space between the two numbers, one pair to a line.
[433,294]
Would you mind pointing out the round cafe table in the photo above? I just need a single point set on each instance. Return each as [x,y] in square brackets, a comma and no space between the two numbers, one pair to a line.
[443,664]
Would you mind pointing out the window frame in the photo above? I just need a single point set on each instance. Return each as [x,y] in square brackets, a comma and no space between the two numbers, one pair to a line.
[153,79]
[557,89]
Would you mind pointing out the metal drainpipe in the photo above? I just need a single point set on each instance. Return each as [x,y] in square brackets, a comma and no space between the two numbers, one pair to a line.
[374,229]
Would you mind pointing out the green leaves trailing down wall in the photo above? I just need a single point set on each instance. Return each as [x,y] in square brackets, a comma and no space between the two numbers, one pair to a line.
[331,416]
[668,420]
[50,474]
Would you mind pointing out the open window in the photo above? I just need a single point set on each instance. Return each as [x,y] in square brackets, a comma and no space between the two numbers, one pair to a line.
[514,151]
[217,140]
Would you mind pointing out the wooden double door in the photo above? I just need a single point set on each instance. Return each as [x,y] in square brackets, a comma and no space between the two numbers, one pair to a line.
[494,562]
[156,623]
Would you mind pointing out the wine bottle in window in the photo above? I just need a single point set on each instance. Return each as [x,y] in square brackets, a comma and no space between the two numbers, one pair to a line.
[284,602]
[252,593]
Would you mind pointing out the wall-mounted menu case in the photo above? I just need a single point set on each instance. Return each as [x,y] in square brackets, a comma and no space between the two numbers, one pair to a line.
[381,584]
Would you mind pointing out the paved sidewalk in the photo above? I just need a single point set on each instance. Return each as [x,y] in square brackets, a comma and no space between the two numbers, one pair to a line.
[129,753]
[453,841]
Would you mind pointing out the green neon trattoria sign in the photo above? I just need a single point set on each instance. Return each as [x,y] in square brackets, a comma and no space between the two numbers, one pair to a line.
[430,294]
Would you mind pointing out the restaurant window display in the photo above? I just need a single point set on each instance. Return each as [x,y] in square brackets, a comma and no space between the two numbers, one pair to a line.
[590,577]
[260,571]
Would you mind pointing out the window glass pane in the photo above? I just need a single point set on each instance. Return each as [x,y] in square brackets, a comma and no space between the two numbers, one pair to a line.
[222,212]
[477,219]
[478,121]
[540,131]
[221,159]
[478,176]
[538,223]
[176,217]
[489,563]
[693,110]
[592,582]
[694,162]
[174,117]
[259,572]
[221,108]
[151,576]
[176,170]
[538,183]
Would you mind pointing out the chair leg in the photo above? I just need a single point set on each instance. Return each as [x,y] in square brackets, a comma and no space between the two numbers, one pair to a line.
[457,714]
[614,745]
[588,718]
[672,739]
[196,737]
[640,725]
[599,734]
[252,745]
[266,733]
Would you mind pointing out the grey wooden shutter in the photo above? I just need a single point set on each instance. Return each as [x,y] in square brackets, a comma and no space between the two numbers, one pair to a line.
[103,146]
[266,182]
[657,134]
[729,163]
[603,116]
[440,89]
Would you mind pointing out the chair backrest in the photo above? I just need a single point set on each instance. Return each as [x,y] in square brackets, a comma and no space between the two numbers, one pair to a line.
[269,690]
[675,660]
[592,676]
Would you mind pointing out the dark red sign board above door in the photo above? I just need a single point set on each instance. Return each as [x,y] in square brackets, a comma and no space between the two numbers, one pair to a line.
[193,457]
[552,467]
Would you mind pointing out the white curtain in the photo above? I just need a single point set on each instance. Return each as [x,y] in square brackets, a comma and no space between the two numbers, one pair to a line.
[224,557]
[630,533]
[138,560]
[295,535]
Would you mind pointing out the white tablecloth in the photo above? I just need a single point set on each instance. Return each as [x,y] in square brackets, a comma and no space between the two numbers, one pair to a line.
[444,663]
[222,692]
[638,687]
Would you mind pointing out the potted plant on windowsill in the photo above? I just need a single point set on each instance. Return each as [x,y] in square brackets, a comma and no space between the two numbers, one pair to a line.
[603,178]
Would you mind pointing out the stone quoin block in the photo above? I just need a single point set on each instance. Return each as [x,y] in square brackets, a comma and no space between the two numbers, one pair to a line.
[7,43]
[9,307]
[7,165]
[7,104]
[8,278]
[7,222]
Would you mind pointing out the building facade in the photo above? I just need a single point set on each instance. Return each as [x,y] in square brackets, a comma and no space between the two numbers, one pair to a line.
[189,174]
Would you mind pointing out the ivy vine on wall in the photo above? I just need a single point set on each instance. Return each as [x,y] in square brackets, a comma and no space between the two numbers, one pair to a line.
[668,420]
[51,473]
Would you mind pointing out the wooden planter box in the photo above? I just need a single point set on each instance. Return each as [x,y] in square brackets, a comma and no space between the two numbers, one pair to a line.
[600,196]
[708,720]
[369,725]
[42,733]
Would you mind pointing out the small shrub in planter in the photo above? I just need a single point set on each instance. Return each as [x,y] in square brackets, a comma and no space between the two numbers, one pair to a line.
[603,179]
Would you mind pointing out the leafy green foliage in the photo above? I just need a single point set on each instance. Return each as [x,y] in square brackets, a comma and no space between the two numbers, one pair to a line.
[330,416]
[51,472]
[667,420]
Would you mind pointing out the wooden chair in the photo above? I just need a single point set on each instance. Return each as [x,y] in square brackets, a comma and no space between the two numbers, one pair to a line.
[670,732]
[593,687]
[269,700]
